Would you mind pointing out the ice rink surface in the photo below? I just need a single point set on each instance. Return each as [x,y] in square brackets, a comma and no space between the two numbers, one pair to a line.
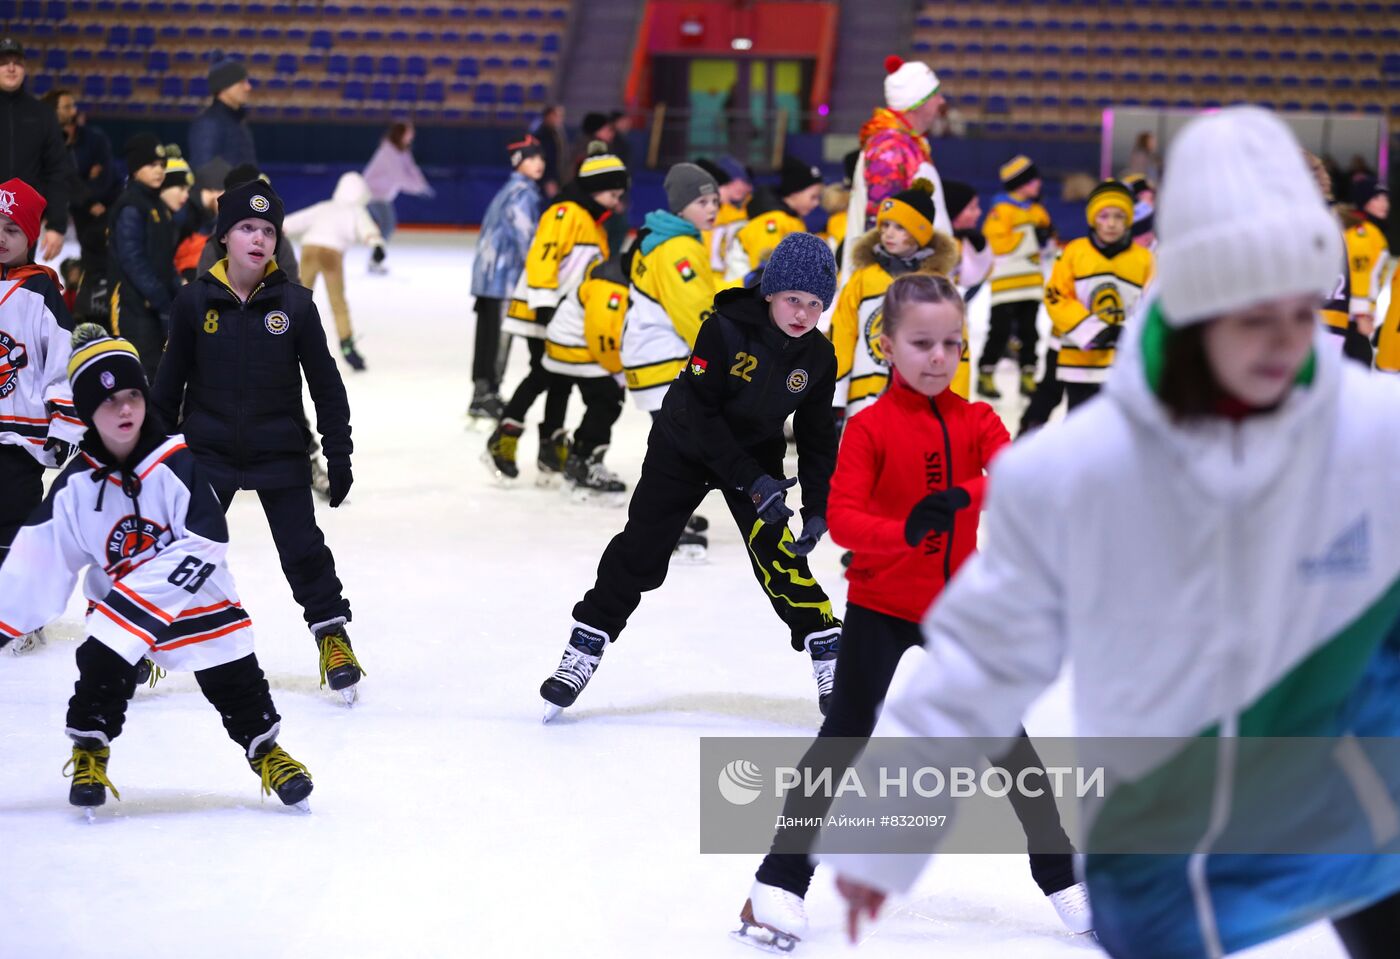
[447,820]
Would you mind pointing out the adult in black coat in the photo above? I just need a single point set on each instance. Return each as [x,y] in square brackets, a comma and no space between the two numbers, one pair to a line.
[32,147]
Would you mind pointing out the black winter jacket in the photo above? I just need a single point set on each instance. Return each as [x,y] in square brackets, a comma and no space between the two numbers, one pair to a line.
[141,251]
[236,369]
[32,148]
[745,377]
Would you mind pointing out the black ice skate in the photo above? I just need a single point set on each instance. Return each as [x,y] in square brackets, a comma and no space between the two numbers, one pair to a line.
[486,405]
[148,673]
[590,481]
[279,772]
[554,454]
[340,668]
[692,549]
[823,647]
[581,659]
[500,452]
[352,356]
[697,524]
[89,772]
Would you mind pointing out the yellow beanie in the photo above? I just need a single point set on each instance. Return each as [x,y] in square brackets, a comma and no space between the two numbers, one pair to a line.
[1110,193]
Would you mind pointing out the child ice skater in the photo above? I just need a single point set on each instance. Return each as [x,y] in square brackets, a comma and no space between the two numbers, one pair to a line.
[241,337]
[38,425]
[136,510]
[326,229]
[1095,285]
[758,359]
[773,214]
[911,529]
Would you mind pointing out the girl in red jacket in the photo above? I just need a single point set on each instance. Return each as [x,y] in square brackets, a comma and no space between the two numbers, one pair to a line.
[905,498]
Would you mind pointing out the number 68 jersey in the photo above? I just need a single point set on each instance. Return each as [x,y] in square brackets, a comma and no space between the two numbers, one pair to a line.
[153,538]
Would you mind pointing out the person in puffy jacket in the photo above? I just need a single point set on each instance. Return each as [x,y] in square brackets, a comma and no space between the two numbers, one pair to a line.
[325,229]
[141,254]
[241,337]
[1208,544]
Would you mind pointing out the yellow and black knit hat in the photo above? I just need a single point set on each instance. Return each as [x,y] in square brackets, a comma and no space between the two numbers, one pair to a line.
[1017,172]
[911,209]
[601,172]
[177,173]
[101,365]
[1110,193]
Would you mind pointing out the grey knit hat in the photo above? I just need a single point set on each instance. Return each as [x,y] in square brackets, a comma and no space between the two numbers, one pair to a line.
[803,262]
[225,74]
[686,183]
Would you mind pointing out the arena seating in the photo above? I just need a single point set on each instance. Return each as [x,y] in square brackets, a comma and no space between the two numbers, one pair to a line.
[309,59]
[1050,67]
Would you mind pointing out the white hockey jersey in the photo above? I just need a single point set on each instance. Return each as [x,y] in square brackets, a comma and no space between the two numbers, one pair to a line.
[153,540]
[36,402]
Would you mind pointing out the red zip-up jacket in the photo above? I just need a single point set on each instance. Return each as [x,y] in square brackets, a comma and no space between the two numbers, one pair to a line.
[893,454]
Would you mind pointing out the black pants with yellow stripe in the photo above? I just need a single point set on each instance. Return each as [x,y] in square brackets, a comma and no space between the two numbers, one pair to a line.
[637,559]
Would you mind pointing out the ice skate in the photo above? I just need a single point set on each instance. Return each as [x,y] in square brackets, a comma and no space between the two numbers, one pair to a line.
[279,772]
[148,673]
[554,454]
[89,772]
[692,549]
[500,452]
[1028,383]
[697,524]
[823,647]
[377,269]
[772,919]
[28,643]
[581,659]
[592,482]
[1072,906]
[320,479]
[339,665]
[352,355]
[486,406]
[987,386]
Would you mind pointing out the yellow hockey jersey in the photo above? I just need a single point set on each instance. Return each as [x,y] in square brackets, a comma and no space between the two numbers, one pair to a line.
[729,221]
[835,230]
[1087,293]
[1368,255]
[584,338]
[1010,229]
[673,290]
[756,240]
[567,242]
[862,369]
[1388,345]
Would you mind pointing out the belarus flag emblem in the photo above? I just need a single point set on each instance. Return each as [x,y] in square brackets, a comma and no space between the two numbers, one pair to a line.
[685,270]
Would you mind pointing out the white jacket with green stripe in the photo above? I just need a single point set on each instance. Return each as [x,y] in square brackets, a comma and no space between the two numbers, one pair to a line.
[1239,578]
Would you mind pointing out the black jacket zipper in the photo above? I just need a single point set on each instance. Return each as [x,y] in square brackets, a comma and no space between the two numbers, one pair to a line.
[947,485]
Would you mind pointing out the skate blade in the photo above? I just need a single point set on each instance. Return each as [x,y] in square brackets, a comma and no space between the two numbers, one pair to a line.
[24,645]
[587,497]
[690,555]
[304,806]
[89,815]
[502,480]
[764,939]
[547,480]
[480,424]
[550,711]
[350,694]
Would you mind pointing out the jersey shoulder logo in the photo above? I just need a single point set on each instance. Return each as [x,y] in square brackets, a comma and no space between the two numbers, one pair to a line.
[771,226]
[686,271]
[698,366]
[13,358]
[277,322]
[615,301]
[797,381]
[559,212]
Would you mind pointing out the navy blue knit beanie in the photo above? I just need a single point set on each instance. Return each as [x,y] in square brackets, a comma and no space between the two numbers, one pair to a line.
[803,262]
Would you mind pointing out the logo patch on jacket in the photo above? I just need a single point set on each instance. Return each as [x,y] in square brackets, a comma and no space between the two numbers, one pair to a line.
[615,301]
[771,226]
[277,322]
[698,366]
[131,537]
[797,381]
[1347,555]
[686,271]
[13,358]
[874,328]
[558,213]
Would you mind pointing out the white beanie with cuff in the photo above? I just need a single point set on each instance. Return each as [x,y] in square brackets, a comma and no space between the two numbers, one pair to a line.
[1240,219]
[908,84]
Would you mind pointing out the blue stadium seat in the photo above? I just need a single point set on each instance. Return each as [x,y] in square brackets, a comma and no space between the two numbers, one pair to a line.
[513,93]
[537,93]
[119,36]
[321,40]
[94,86]
[398,38]
[485,93]
[381,91]
[406,91]
[442,61]
[199,87]
[363,65]
[494,63]
[354,90]
[416,66]
[461,88]
[55,59]
[468,67]
[286,64]
[390,66]
[338,64]
[41,84]
[550,43]
[434,92]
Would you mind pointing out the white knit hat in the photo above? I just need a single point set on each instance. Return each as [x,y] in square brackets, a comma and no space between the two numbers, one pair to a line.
[1240,219]
[908,84]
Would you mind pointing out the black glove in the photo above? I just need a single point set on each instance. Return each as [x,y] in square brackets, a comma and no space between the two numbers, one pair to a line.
[973,236]
[378,254]
[768,497]
[1044,234]
[934,514]
[812,531]
[1106,338]
[341,480]
[60,448]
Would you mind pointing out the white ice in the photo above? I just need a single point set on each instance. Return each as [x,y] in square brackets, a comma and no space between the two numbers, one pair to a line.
[446,820]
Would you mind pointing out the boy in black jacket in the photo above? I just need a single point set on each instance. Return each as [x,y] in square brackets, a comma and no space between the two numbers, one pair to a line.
[240,337]
[758,359]
[141,254]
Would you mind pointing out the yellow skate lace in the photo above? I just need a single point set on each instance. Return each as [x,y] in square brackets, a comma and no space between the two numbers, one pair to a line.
[157,674]
[276,768]
[505,446]
[89,768]
[336,652]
